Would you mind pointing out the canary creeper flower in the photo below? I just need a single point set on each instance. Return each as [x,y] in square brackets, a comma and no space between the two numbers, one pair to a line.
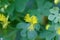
[58,31]
[47,26]
[32,20]
[4,20]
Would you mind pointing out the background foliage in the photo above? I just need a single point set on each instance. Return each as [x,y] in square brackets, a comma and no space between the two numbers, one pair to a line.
[46,11]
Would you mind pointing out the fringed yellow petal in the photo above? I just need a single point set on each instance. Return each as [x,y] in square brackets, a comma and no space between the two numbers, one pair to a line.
[33,20]
[27,18]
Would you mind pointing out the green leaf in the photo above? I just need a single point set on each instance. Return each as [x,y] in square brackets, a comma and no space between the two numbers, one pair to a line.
[22,25]
[51,17]
[40,3]
[55,15]
[11,35]
[7,39]
[52,28]
[45,12]
[57,37]
[23,38]
[10,8]
[20,5]
[56,20]
[59,19]
[23,33]
[32,35]
[47,34]
[10,11]
[44,7]
[37,27]
[47,5]
[54,10]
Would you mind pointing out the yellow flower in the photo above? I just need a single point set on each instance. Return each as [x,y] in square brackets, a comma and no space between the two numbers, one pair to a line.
[56,1]
[4,20]
[32,20]
[47,26]
[58,31]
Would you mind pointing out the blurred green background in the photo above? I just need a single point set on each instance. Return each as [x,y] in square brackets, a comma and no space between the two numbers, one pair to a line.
[47,13]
